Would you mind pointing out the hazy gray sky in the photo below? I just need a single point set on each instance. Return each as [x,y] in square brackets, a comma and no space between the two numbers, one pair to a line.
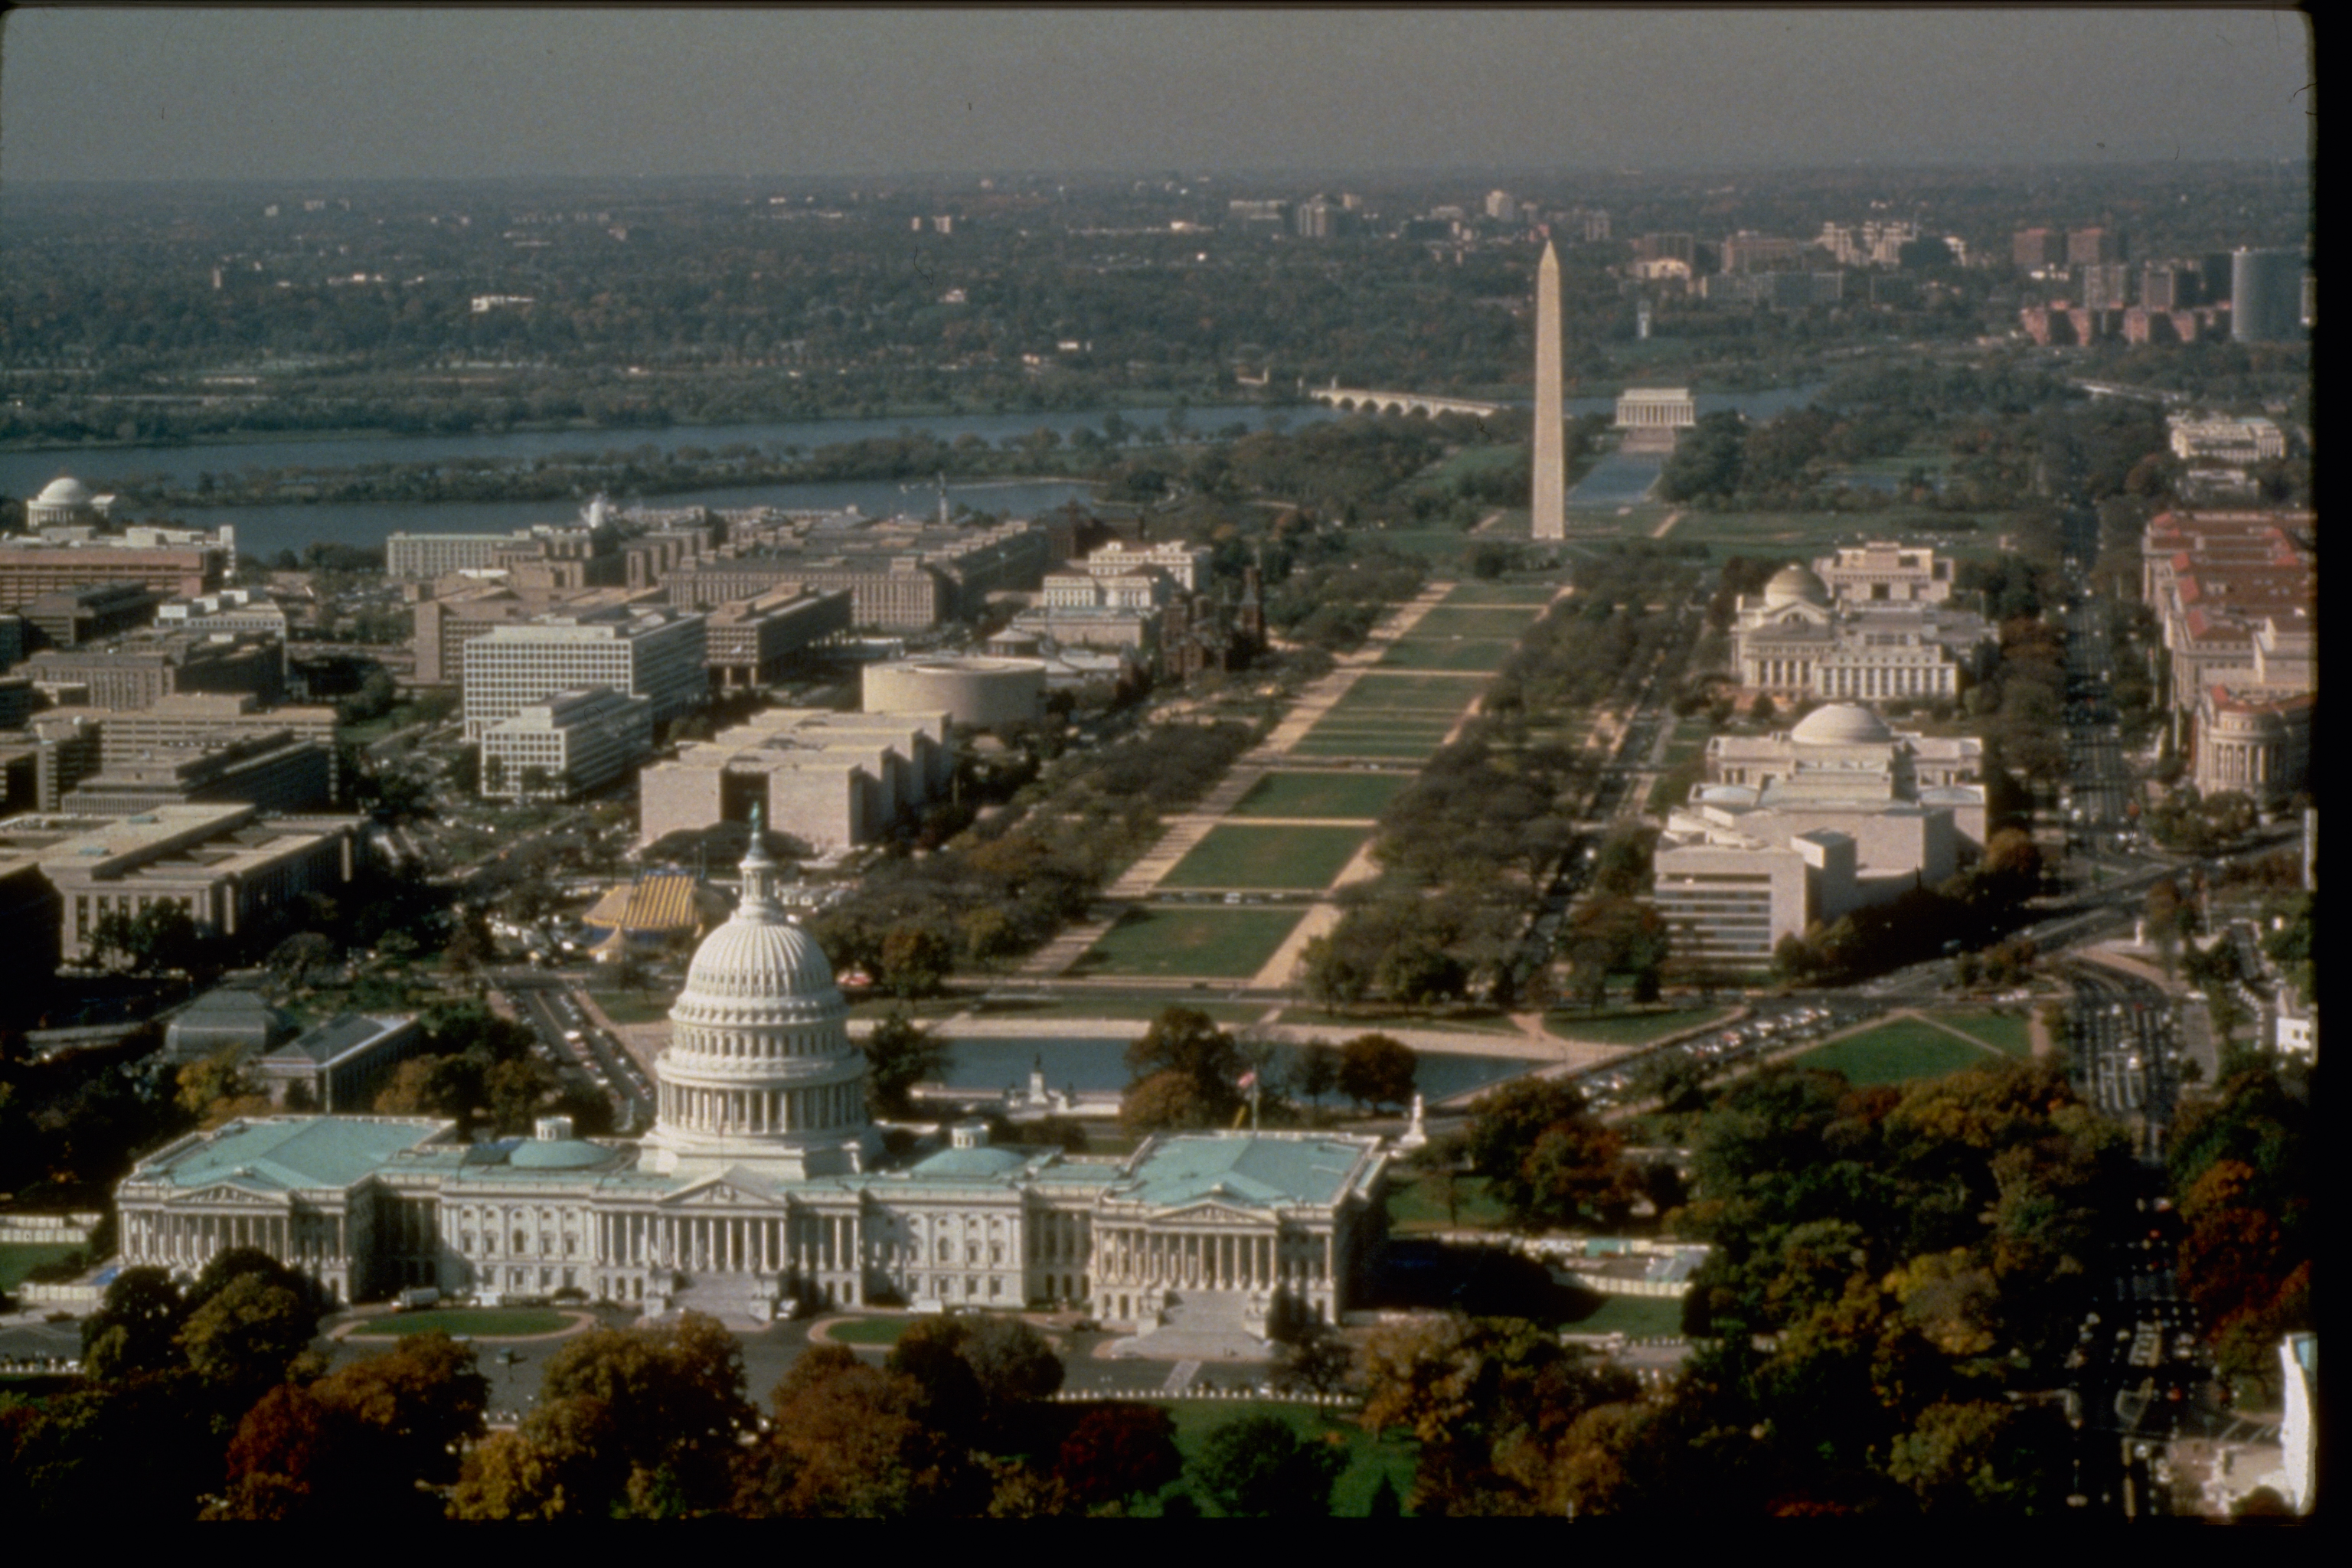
[94,93]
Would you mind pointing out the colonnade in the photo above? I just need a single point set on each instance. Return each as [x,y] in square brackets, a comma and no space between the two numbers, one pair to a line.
[193,1239]
[760,1111]
[1919,679]
[1854,682]
[2235,765]
[728,1244]
[1209,1260]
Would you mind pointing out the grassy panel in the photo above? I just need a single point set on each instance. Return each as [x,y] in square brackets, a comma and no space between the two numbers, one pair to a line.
[634,1006]
[1502,623]
[1417,1206]
[1358,743]
[870,1330]
[1635,1315]
[1895,1053]
[1218,944]
[18,1258]
[481,1323]
[1236,857]
[1360,795]
[1472,656]
[2003,1032]
[1383,693]
[1516,596]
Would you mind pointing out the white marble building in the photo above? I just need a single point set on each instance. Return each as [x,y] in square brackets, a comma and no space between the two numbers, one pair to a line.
[763,1182]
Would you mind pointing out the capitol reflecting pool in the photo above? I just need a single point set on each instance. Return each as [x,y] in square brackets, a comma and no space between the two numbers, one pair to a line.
[999,1062]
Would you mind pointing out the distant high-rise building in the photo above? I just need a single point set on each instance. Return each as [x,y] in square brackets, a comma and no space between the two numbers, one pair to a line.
[2035,248]
[2265,296]
[1547,514]
[1502,206]
[2167,286]
[2090,246]
[2105,284]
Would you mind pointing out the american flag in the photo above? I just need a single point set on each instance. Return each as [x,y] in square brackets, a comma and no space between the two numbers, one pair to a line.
[1249,1079]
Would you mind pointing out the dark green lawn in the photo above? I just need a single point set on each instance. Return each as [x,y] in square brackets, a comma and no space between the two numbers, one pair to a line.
[1361,796]
[1897,1053]
[480,1322]
[1215,943]
[1234,856]
[1468,655]
[2004,1032]
[1417,1206]
[18,1258]
[1383,694]
[871,1331]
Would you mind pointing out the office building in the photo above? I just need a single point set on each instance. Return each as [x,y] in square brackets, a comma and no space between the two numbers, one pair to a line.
[137,672]
[2092,247]
[574,740]
[656,653]
[830,780]
[30,567]
[69,617]
[275,769]
[751,641]
[2107,286]
[2035,250]
[239,877]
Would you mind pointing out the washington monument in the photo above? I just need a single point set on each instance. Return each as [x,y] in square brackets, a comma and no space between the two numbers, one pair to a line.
[1548,517]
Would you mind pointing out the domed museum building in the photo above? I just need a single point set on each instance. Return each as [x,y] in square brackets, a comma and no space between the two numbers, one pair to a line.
[763,1184]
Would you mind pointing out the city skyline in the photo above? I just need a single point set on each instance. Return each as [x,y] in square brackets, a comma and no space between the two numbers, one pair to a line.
[369,95]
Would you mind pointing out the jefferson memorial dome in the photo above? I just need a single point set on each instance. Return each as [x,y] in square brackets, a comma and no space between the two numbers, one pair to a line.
[761,1073]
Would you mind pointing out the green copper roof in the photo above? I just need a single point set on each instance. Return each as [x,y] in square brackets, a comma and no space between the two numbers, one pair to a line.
[1248,1173]
[281,1153]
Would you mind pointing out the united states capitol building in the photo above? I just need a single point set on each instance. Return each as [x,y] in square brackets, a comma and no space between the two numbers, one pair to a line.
[763,1184]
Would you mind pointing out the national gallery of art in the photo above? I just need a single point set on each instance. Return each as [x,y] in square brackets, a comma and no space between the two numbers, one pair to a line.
[763,1184]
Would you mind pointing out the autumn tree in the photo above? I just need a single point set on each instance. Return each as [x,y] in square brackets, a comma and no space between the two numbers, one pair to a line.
[1116,1452]
[1546,1157]
[136,1327]
[1258,1467]
[1375,1070]
[847,1443]
[900,1054]
[1185,1070]
[916,960]
[674,1392]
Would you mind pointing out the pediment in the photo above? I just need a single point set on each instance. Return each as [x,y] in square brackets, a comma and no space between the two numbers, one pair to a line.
[716,1193]
[235,1196]
[1214,1212]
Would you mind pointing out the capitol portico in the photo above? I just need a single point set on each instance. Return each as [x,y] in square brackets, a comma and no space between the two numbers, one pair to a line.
[763,1184]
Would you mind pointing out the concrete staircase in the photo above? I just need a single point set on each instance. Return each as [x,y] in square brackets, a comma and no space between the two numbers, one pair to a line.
[1202,1326]
[735,1300]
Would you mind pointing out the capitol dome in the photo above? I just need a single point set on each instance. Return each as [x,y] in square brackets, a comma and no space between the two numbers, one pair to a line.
[1794,585]
[757,970]
[1842,724]
[761,1073]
